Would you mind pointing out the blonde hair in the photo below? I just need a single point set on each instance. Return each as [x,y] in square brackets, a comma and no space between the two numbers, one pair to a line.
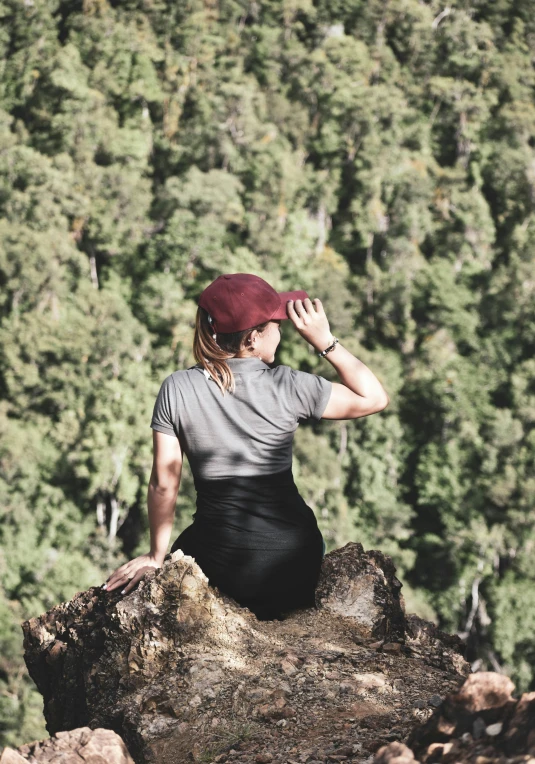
[213,355]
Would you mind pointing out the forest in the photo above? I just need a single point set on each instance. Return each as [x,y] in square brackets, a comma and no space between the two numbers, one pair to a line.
[379,154]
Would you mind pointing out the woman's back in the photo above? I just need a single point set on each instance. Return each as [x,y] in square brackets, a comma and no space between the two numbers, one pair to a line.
[244,433]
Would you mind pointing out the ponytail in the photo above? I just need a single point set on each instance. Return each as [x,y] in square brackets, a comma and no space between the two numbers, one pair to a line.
[212,354]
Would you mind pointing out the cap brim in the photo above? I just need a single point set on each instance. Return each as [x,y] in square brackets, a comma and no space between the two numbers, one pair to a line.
[280,313]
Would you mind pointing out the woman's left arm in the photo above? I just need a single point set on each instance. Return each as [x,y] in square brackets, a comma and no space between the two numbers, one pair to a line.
[163,489]
[161,499]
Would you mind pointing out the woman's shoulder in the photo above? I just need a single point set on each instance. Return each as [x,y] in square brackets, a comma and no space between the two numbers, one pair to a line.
[295,379]
[310,392]
[294,375]
[182,376]
[282,374]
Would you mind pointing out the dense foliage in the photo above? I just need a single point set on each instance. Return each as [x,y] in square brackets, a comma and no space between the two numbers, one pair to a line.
[378,154]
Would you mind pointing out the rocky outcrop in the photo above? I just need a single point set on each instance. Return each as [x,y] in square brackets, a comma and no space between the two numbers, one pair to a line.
[363,586]
[184,674]
[81,746]
[481,723]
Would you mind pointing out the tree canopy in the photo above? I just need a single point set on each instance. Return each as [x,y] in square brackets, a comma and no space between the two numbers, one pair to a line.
[380,156]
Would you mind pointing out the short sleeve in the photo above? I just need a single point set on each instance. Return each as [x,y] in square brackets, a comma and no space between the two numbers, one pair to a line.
[311,394]
[164,416]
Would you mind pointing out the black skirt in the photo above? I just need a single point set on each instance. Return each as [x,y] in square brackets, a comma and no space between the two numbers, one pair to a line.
[257,540]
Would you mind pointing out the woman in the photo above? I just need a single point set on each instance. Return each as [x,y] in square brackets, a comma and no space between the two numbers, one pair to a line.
[235,416]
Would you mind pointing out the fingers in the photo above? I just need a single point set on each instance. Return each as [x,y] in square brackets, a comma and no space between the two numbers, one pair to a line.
[118,579]
[125,580]
[308,317]
[304,310]
[121,576]
[129,574]
[293,315]
[137,577]
[319,306]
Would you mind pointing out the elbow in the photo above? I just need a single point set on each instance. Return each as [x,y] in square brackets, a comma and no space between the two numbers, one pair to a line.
[165,479]
[163,485]
[383,401]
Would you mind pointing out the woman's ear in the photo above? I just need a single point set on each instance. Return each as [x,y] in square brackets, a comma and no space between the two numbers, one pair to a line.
[250,341]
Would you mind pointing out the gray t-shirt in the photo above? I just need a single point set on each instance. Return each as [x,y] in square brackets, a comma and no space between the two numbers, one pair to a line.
[249,432]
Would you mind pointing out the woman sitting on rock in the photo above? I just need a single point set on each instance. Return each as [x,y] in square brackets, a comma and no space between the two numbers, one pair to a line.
[234,416]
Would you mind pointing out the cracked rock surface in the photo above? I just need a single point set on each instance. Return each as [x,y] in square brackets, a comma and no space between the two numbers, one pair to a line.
[184,674]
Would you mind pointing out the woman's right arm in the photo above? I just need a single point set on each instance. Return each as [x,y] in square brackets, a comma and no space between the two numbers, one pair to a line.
[360,392]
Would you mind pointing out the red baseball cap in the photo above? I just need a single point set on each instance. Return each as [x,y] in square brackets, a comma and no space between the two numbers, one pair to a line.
[238,301]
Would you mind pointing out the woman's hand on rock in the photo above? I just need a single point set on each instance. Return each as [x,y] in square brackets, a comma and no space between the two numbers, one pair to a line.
[310,321]
[128,575]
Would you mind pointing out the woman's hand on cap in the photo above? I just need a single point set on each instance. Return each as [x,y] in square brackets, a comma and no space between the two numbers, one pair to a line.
[310,321]
[129,574]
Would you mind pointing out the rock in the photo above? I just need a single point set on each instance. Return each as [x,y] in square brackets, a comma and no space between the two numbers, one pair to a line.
[288,668]
[10,756]
[184,673]
[520,734]
[347,750]
[484,690]
[425,633]
[478,728]
[483,695]
[79,746]
[392,647]
[363,585]
[480,723]
[369,681]
[116,650]
[394,753]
